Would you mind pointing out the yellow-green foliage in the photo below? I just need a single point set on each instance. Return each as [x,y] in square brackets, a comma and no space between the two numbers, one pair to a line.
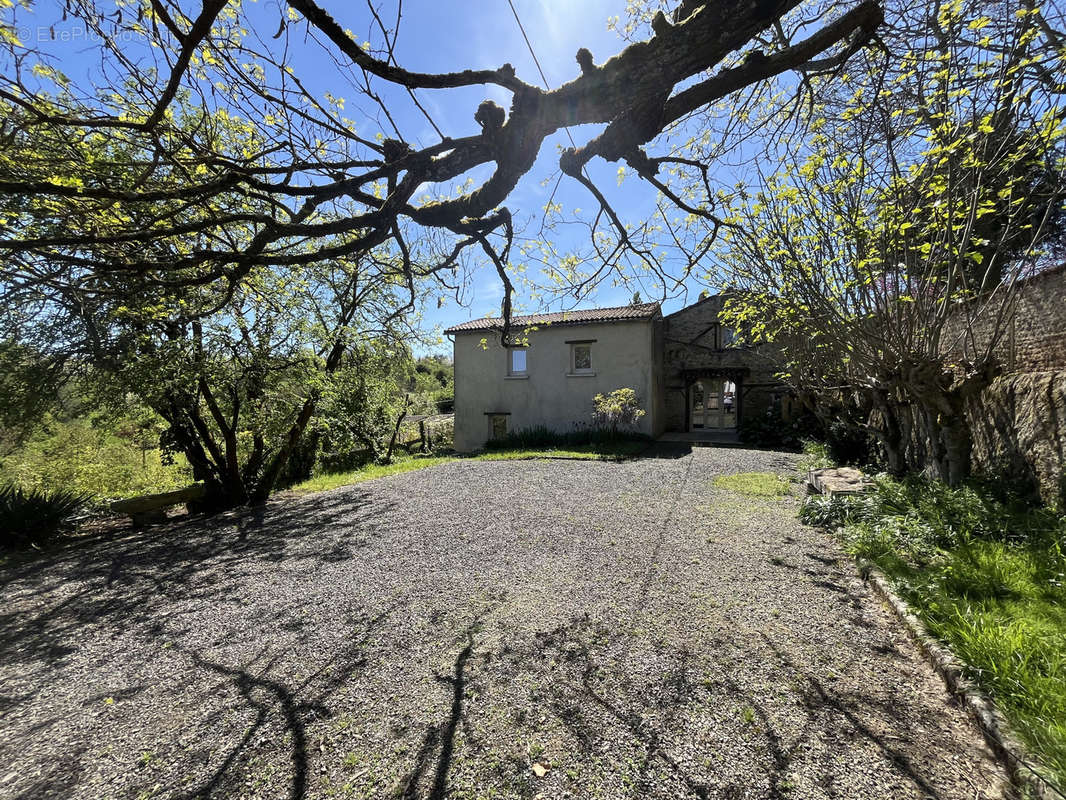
[85,459]
[754,484]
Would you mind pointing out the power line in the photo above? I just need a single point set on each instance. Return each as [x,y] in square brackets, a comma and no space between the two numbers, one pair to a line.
[536,61]
[547,86]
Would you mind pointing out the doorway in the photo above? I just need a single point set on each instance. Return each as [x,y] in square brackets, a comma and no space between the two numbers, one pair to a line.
[713,405]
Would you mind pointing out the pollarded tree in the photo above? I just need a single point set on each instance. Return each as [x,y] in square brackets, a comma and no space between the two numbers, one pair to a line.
[897,263]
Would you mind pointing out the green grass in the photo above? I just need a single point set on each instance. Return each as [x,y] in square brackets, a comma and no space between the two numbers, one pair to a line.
[988,577]
[615,451]
[322,483]
[754,484]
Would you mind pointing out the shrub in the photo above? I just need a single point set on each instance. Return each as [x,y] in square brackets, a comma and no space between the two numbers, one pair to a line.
[32,517]
[617,410]
[829,511]
[89,457]
[772,430]
[848,445]
[815,456]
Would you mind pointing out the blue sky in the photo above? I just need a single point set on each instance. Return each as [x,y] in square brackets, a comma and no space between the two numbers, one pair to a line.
[446,36]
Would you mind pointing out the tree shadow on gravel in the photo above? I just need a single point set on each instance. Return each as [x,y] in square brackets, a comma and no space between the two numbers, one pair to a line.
[441,738]
[816,698]
[138,578]
[641,707]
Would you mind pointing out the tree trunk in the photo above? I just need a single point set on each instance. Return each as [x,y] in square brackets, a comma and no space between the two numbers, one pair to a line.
[890,432]
[958,449]
[270,475]
[396,430]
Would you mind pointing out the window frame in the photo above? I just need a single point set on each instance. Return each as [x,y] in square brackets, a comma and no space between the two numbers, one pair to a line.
[511,371]
[573,368]
[492,417]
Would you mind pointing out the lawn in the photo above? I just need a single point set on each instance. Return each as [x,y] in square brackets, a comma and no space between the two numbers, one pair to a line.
[614,451]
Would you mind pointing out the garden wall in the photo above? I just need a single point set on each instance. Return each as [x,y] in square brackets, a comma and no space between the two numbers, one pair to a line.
[1019,423]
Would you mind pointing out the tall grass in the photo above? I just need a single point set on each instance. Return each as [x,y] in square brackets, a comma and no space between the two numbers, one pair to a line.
[987,574]
[88,459]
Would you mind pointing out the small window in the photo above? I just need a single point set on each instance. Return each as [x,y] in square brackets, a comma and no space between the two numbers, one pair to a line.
[517,364]
[497,426]
[581,358]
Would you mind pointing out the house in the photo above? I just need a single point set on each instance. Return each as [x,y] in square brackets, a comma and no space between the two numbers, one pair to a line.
[689,375]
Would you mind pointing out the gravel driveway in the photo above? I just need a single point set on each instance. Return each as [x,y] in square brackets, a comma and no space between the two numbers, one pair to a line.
[477,630]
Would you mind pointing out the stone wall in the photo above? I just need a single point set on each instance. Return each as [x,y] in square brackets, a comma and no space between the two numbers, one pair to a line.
[694,342]
[1019,426]
[1034,338]
[1019,422]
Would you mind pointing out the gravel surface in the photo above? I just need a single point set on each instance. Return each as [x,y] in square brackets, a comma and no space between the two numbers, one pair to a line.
[477,630]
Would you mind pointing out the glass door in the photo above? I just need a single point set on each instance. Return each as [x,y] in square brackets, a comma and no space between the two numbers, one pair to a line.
[697,405]
[713,404]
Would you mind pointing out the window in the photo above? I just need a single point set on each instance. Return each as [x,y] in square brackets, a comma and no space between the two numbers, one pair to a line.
[497,426]
[581,358]
[517,361]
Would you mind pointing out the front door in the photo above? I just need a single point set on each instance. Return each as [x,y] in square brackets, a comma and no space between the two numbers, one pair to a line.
[713,405]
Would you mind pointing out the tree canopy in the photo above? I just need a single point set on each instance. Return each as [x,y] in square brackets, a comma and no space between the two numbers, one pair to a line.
[887,247]
[236,163]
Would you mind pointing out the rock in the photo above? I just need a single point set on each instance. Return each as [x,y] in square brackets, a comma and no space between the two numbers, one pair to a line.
[835,481]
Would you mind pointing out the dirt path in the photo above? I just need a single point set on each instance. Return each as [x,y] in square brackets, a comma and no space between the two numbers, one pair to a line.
[477,630]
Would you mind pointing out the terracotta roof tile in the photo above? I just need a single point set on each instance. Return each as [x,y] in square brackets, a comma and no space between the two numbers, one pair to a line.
[581,316]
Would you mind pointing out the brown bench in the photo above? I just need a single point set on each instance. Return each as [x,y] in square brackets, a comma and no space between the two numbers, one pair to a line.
[153,507]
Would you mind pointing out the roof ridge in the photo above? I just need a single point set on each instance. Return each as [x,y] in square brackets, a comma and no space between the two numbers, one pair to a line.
[568,317]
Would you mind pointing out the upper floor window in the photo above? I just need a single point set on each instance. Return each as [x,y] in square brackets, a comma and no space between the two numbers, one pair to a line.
[725,337]
[580,357]
[516,361]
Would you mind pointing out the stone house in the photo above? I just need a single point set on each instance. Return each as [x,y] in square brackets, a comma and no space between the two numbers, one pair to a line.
[689,375]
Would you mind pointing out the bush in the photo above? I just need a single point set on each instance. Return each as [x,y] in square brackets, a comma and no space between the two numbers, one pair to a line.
[828,511]
[617,410]
[32,517]
[815,456]
[847,445]
[95,458]
[773,431]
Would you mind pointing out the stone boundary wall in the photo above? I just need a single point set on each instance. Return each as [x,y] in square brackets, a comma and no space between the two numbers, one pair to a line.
[1035,335]
[1019,422]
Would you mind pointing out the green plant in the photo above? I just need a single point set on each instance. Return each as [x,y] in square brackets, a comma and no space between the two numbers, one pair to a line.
[617,410]
[815,456]
[831,511]
[30,518]
[987,575]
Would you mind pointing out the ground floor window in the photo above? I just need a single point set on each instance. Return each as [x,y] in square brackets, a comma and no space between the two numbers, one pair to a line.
[497,426]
